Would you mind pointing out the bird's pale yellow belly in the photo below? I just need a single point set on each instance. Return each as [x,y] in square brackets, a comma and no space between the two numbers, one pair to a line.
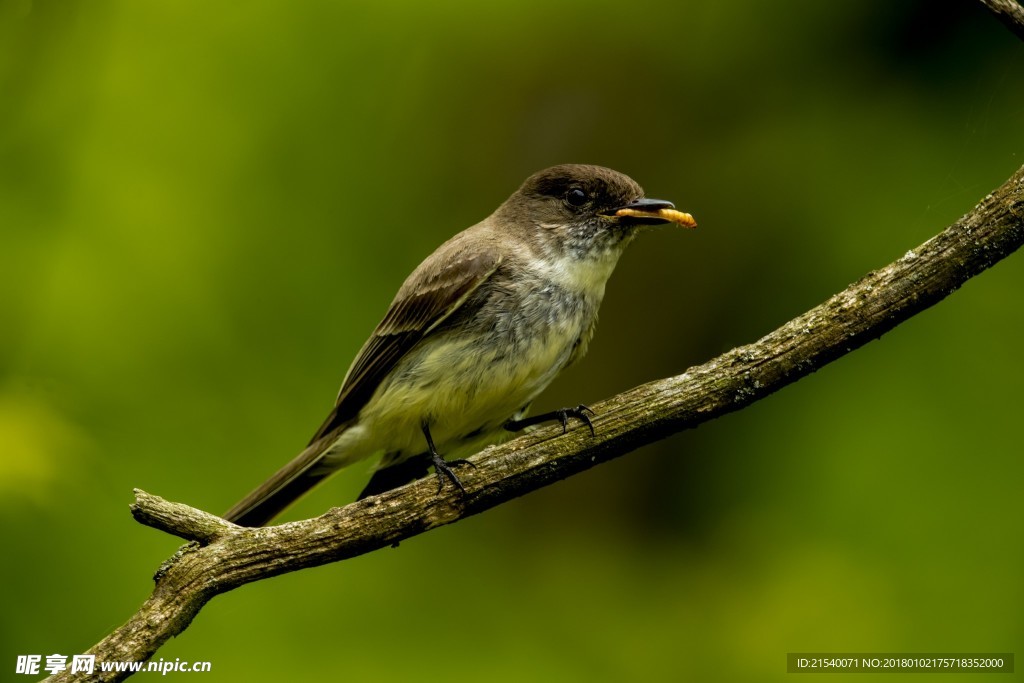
[464,388]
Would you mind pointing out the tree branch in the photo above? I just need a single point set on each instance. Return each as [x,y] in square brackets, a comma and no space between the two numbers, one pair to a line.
[222,556]
[1010,13]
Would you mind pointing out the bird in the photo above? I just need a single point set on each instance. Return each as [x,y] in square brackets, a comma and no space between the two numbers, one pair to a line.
[476,332]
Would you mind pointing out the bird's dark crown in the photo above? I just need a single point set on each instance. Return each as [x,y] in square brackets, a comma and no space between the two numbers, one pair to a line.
[578,189]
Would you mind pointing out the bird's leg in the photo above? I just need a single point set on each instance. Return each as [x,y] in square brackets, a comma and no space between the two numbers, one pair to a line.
[442,467]
[563,415]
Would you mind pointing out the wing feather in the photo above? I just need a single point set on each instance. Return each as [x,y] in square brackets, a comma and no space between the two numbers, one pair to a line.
[428,298]
[421,305]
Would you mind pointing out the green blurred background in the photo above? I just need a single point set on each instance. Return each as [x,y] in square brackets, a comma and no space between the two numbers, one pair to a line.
[206,207]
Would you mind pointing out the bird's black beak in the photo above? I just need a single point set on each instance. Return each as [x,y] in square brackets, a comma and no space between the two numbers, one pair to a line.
[650,212]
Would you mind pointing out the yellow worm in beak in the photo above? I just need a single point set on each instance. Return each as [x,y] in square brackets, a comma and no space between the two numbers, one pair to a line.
[670,215]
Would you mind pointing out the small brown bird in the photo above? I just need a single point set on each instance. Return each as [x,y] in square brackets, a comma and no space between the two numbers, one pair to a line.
[477,331]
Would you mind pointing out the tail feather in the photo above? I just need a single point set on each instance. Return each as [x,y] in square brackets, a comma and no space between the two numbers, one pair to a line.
[293,480]
[282,489]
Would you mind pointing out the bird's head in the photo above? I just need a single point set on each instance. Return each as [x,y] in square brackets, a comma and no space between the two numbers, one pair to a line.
[584,210]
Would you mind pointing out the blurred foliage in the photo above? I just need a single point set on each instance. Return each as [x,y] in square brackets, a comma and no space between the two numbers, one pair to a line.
[205,208]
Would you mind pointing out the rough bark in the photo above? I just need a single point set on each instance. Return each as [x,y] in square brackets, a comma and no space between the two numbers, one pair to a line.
[1010,12]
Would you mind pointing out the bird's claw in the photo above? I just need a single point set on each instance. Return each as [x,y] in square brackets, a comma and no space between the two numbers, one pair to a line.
[580,413]
[444,470]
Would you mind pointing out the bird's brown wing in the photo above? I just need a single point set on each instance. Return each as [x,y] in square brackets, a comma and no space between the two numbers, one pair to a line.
[420,306]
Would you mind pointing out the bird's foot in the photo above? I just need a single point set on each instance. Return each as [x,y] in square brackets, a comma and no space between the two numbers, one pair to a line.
[562,416]
[444,470]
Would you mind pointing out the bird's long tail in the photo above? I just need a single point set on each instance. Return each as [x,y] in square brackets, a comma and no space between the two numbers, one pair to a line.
[282,489]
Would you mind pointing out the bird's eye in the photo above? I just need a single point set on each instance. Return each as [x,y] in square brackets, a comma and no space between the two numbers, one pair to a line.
[576,197]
